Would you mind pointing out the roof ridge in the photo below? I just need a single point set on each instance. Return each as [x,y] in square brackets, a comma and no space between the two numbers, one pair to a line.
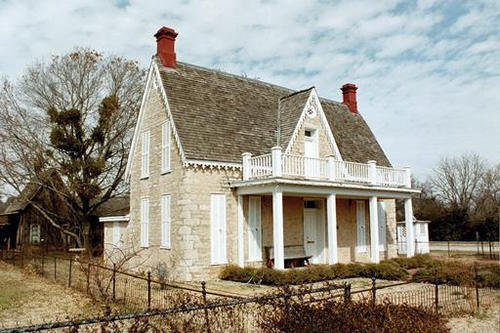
[264,83]
[297,92]
[235,76]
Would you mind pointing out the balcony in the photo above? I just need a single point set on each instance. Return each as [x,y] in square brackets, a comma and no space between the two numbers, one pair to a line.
[277,164]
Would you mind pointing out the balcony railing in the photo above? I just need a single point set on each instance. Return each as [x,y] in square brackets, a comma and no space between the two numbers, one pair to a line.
[328,169]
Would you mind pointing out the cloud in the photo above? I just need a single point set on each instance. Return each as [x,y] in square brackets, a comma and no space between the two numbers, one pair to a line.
[427,71]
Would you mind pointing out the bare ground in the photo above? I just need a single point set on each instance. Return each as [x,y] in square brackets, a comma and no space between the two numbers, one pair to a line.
[484,321]
[27,299]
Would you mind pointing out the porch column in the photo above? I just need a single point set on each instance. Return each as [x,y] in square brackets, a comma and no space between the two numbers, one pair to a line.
[331,212]
[374,249]
[241,257]
[410,237]
[279,261]
[276,161]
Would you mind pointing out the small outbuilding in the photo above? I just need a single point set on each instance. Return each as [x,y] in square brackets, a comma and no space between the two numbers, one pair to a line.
[421,232]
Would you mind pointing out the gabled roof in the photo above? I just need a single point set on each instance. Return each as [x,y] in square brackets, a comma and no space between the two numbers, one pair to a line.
[290,110]
[30,190]
[219,116]
[117,206]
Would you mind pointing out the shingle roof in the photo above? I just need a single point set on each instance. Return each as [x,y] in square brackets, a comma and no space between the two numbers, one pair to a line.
[290,109]
[219,116]
[117,206]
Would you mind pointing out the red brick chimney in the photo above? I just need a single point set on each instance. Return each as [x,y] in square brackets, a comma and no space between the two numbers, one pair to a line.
[349,94]
[165,46]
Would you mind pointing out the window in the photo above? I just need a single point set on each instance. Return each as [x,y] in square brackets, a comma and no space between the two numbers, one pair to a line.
[165,147]
[254,229]
[310,204]
[165,221]
[117,233]
[35,233]
[145,155]
[309,133]
[145,222]
[218,228]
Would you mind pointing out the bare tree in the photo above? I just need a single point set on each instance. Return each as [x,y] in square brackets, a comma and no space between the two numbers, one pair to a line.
[457,181]
[74,113]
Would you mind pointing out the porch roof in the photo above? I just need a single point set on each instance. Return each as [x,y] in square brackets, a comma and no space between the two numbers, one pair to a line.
[318,187]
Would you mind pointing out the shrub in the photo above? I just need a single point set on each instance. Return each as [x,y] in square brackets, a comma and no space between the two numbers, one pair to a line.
[417,261]
[315,273]
[334,316]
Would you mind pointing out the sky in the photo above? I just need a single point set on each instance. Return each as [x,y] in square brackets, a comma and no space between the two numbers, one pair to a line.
[428,71]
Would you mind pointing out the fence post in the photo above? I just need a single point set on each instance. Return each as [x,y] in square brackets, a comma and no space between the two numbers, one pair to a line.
[476,285]
[70,269]
[448,248]
[88,279]
[114,282]
[436,296]
[149,290]
[374,290]
[55,268]
[347,292]
[205,309]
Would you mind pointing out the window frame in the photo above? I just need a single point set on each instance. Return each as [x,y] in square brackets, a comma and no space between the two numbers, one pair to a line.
[165,147]
[144,223]
[165,221]
[145,153]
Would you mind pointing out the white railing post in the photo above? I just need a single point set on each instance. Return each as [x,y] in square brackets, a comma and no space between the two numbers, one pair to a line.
[407,177]
[276,161]
[331,167]
[372,172]
[247,172]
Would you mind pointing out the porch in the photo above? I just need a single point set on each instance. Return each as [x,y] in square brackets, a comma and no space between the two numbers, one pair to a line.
[333,223]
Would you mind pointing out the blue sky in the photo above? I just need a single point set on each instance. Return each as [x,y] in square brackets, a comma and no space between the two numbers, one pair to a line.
[428,72]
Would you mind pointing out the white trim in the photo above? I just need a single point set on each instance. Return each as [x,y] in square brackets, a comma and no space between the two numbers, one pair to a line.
[207,164]
[165,221]
[374,240]
[331,212]
[255,250]
[169,113]
[240,241]
[361,242]
[313,101]
[218,247]
[144,222]
[278,243]
[165,147]
[153,74]
[117,218]
[145,153]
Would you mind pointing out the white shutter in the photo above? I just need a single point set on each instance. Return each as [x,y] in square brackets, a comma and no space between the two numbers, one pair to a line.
[382,226]
[165,221]
[254,229]
[165,147]
[116,233]
[145,222]
[360,227]
[218,228]
[145,154]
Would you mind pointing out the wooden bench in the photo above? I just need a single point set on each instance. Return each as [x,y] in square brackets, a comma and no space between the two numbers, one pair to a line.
[294,255]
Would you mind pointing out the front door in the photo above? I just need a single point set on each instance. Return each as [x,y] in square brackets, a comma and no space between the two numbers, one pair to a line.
[314,234]
[311,164]
[360,227]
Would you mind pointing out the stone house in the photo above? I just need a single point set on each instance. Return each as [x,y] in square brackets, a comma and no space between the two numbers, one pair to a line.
[226,169]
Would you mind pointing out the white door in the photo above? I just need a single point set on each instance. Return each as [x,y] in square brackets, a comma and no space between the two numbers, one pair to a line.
[254,229]
[218,228]
[314,233]
[382,226]
[360,227]
[311,164]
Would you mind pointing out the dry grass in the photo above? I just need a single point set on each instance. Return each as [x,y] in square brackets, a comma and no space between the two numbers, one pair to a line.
[30,299]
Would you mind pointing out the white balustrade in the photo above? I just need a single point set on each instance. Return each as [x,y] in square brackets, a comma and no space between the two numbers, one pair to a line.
[391,177]
[261,166]
[297,166]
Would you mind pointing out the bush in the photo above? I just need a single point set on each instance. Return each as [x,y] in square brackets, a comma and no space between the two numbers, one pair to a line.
[315,273]
[417,261]
[334,316]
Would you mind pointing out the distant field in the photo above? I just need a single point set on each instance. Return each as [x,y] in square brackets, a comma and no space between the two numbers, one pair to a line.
[464,246]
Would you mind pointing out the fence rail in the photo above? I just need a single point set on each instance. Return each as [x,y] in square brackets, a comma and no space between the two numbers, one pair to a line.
[144,293]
